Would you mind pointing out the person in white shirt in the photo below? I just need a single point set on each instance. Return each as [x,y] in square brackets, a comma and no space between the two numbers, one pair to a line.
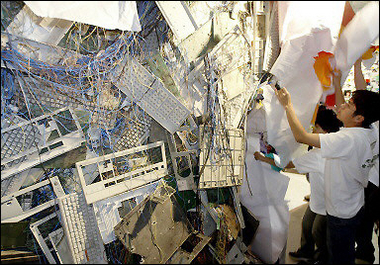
[314,220]
[365,251]
[349,157]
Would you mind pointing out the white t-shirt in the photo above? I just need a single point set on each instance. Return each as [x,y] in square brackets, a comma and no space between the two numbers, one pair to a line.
[374,171]
[313,163]
[348,156]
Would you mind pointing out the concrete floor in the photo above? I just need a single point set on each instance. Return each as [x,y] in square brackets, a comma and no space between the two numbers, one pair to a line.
[297,189]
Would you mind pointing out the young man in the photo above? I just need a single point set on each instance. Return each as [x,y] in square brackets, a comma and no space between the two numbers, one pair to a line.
[365,251]
[348,156]
[314,219]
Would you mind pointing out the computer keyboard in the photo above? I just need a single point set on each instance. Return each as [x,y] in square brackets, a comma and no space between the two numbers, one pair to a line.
[133,131]
[12,184]
[38,92]
[150,94]
[80,226]
[18,139]
[5,184]
[27,144]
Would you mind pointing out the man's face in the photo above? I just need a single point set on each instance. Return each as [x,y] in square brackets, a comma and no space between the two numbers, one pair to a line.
[318,129]
[345,113]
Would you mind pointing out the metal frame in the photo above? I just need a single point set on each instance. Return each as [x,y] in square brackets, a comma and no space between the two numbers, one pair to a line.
[228,56]
[107,213]
[184,257]
[17,181]
[53,29]
[223,52]
[34,227]
[113,185]
[183,183]
[39,51]
[165,223]
[61,255]
[223,174]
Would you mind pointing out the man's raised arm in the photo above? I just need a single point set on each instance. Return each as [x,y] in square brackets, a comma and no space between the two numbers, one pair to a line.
[299,132]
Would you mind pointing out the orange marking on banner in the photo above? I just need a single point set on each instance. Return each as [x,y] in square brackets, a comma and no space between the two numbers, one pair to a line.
[369,53]
[323,69]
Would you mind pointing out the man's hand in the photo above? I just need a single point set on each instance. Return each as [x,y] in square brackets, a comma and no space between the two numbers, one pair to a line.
[259,156]
[337,76]
[359,61]
[339,98]
[359,80]
[299,133]
[284,97]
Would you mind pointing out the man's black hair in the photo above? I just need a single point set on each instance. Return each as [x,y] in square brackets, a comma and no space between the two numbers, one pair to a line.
[326,118]
[367,104]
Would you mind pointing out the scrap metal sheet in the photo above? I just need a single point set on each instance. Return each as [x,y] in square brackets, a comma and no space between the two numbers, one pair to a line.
[158,218]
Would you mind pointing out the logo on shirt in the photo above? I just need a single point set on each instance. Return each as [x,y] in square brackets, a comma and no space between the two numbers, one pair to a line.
[370,162]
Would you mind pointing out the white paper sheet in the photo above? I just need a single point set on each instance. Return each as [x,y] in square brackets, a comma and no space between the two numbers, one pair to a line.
[107,14]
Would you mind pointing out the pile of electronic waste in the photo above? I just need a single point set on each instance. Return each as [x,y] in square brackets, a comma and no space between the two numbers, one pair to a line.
[129,146]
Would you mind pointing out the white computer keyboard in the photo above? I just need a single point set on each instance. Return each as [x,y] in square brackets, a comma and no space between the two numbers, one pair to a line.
[27,144]
[150,94]
[80,226]
[133,131]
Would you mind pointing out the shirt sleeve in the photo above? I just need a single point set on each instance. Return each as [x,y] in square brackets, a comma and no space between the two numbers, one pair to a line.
[277,160]
[309,162]
[337,144]
[271,155]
